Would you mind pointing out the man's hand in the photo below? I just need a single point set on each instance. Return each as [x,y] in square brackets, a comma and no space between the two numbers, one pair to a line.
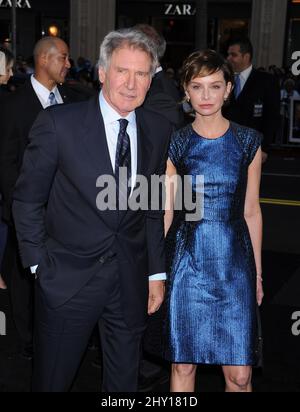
[156,295]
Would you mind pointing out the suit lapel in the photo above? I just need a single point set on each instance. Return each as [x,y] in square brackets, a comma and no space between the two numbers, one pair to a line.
[35,105]
[247,85]
[144,151]
[64,94]
[95,139]
[95,151]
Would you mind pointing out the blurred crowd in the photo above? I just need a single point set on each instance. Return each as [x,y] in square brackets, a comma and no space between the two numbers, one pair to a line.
[83,77]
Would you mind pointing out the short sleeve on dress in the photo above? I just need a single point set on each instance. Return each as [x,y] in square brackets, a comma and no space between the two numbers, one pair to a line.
[253,144]
[178,144]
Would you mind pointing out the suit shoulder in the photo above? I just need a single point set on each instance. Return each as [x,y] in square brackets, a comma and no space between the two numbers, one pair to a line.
[65,110]
[21,93]
[264,77]
[153,117]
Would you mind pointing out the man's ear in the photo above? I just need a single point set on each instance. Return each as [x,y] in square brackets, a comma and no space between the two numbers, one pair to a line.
[43,59]
[102,74]
[248,56]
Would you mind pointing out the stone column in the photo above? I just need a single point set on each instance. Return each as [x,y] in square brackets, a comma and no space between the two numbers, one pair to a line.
[268,26]
[91,20]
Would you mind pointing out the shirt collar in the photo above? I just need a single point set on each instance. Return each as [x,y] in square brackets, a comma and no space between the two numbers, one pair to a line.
[246,73]
[42,90]
[110,115]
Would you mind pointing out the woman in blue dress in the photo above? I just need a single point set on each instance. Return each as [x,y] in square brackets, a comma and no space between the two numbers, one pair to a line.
[215,279]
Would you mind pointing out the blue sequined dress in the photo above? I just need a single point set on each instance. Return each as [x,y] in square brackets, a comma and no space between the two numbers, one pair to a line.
[211,299]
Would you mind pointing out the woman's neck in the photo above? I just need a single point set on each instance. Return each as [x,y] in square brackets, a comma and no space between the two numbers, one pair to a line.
[211,126]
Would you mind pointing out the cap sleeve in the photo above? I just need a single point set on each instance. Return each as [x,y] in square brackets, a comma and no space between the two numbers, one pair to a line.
[178,144]
[254,142]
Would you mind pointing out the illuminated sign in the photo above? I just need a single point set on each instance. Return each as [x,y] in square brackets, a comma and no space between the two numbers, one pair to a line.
[22,4]
[172,9]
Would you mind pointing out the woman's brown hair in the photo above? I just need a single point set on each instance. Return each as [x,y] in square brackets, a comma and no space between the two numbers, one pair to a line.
[204,63]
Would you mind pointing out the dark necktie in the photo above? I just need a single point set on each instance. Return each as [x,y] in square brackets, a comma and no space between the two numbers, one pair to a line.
[52,99]
[238,86]
[123,159]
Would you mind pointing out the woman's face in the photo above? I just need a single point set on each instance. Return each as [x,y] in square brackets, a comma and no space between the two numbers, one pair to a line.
[207,94]
[4,79]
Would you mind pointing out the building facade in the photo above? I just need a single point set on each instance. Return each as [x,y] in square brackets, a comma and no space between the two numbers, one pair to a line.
[273,25]
[265,21]
[34,19]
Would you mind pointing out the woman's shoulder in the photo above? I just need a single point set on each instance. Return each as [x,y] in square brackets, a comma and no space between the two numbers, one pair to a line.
[249,139]
[245,134]
[179,141]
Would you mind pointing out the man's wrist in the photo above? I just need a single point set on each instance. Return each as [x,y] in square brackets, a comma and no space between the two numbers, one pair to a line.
[158,276]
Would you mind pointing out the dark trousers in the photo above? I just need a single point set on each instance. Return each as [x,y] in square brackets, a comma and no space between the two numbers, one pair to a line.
[62,334]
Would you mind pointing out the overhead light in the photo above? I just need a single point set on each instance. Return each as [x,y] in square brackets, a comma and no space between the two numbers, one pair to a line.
[53,31]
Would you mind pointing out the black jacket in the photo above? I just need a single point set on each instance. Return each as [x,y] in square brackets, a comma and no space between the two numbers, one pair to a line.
[18,112]
[258,106]
[164,98]
[66,155]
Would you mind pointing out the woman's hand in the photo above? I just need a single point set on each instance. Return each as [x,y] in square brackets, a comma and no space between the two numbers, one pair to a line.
[259,290]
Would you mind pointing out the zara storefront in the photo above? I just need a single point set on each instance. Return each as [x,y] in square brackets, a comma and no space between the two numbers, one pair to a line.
[84,23]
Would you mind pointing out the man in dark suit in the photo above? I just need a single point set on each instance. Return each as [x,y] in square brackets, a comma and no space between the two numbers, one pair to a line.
[95,262]
[163,96]
[255,101]
[17,115]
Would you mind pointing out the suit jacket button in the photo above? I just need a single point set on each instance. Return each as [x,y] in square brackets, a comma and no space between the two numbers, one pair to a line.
[102,260]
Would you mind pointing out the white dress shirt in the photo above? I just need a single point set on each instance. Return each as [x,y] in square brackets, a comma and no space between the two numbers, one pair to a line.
[43,93]
[244,76]
[112,127]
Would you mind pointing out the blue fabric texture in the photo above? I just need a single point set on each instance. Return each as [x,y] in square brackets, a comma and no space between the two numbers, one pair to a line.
[211,294]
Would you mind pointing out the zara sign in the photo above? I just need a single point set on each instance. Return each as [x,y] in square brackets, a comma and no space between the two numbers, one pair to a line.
[22,4]
[172,9]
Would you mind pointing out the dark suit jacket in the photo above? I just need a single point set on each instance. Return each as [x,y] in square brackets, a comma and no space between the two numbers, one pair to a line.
[17,114]
[67,153]
[164,98]
[261,93]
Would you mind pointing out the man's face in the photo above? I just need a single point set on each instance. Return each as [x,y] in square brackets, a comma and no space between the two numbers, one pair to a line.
[57,62]
[126,80]
[238,60]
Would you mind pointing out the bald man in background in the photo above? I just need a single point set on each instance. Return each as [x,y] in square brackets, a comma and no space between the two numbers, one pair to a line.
[43,89]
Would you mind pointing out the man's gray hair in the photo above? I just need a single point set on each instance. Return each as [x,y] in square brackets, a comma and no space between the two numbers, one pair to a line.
[127,38]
